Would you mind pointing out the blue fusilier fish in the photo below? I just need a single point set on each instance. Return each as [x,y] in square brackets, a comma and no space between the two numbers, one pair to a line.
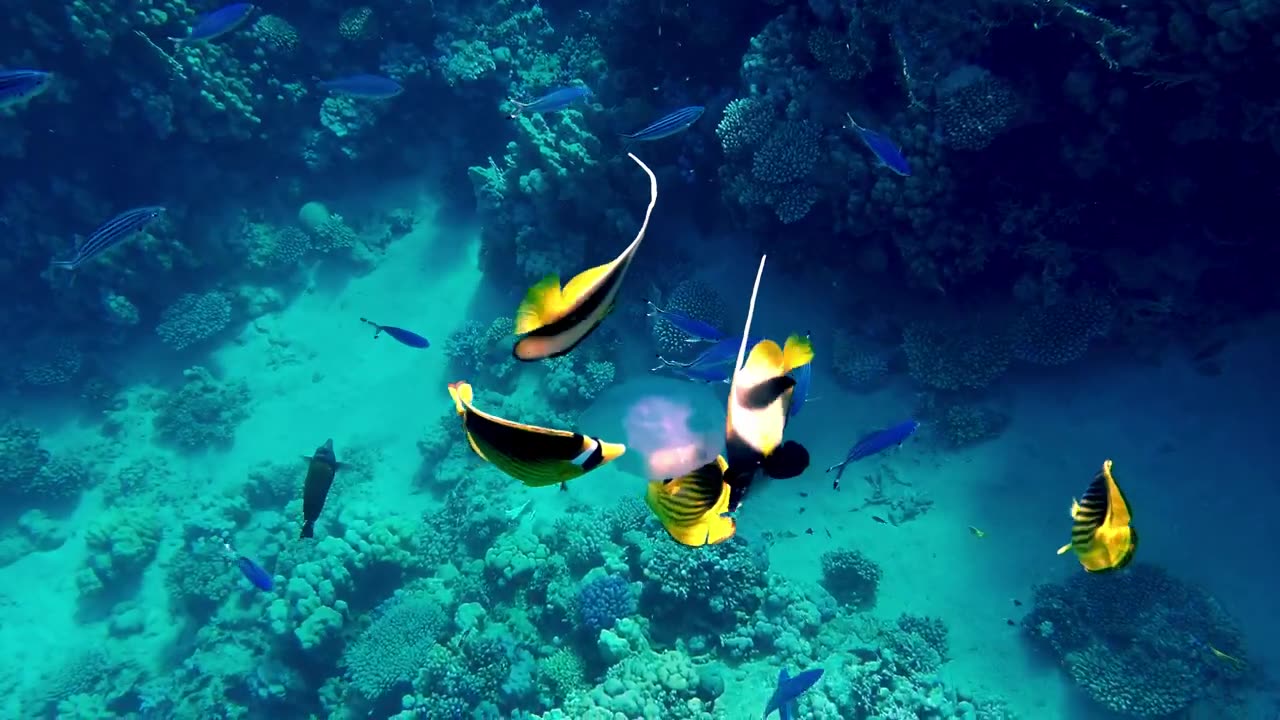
[251,570]
[110,234]
[406,337]
[714,365]
[715,373]
[789,688]
[552,101]
[213,25]
[17,86]
[321,468]
[372,87]
[873,443]
[804,378]
[669,125]
[883,148]
[696,330]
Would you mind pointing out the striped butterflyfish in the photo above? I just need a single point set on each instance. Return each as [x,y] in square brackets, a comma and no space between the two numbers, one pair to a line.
[692,507]
[1100,533]
[533,455]
[552,320]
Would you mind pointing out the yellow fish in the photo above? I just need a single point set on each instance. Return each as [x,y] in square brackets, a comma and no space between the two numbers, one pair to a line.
[976,532]
[692,507]
[761,394]
[533,455]
[553,320]
[1235,661]
[1100,533]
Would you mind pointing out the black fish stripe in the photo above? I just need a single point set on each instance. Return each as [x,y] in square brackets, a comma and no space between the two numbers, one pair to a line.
[113,231]
[582,313]
[698,493]
[673,120]
[1092,512]
[110,232]
[523,444]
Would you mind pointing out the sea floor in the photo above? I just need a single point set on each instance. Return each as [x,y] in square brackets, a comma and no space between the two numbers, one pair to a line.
[1196,456]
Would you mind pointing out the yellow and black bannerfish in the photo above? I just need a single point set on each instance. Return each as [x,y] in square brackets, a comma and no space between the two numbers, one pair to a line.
[552,321]
[692,507]
[1100,534]
[761,395]
[533,455]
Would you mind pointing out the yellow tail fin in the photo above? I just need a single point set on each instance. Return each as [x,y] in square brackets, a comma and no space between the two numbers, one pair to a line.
[797,353]
[540,305]
[461,393]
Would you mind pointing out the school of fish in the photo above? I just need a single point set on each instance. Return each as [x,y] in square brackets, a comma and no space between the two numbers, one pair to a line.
[768,383]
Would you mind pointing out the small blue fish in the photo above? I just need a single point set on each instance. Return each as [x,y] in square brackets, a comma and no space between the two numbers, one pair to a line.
[110,234]
[668,125]
[251,570]
[213,25]
[552,101]
[875,442]
[373,87]
[883,148]
[719,353]
[18,86]
[406,337]
[803,376]
[697,330]
[790,688]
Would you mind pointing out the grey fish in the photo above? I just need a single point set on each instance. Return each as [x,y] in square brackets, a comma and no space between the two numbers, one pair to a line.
[552,101]
[213,25]
[668,125]
[21,85]
[374,87]
[110,234]
[321,468]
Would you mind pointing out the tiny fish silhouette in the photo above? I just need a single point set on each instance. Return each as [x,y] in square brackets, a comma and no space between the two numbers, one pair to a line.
[405,337]
[1017,602]
[809,531]
[1010,623]
[879,519]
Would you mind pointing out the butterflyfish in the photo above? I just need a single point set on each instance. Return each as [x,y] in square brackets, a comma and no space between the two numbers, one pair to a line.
[535,456]
[760,394]
[552,321]
[1100,533]
[692,507]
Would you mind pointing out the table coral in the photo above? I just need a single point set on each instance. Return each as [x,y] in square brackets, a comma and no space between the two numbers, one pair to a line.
[1061,333]
[194,318]
[949,359]
[975,107]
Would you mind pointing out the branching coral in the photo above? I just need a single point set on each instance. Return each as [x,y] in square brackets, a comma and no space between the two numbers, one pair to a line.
[398,641]
[603,601]
[204,413]
[949,359]
[1061,333]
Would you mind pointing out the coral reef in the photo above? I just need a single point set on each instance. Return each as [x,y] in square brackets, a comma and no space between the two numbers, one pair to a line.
[850,577]
[203,413]
[1140,642]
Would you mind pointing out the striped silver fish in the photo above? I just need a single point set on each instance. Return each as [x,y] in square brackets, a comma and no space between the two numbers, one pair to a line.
[21,85]
[669,125]
[111,233]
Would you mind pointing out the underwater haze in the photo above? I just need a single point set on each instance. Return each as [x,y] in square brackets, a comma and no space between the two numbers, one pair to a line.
[639,359]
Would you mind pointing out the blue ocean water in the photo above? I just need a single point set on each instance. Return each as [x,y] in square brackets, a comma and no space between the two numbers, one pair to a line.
[1054,254]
